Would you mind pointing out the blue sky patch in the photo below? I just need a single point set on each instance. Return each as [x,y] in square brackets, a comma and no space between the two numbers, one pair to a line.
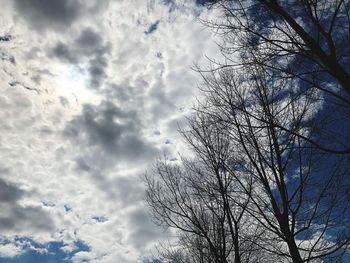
[153,27]
[55,254]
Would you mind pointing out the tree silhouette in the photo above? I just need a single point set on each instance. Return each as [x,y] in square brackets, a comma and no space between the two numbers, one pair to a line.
[269,178]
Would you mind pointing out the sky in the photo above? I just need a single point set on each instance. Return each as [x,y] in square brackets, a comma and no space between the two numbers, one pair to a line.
[92,93]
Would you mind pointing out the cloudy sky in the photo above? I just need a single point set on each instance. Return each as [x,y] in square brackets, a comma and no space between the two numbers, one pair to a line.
[92,93]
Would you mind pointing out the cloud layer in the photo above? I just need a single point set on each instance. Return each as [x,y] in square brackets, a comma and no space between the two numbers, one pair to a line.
[92,93]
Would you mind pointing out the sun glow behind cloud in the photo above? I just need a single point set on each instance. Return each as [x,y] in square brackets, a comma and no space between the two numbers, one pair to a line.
[74,81]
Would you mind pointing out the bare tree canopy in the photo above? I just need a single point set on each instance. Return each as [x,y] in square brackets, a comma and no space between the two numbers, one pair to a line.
[304,39]
[264,185]
[269,179]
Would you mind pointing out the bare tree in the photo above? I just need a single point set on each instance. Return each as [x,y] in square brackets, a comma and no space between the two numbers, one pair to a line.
[306,39]
[255,187]
[201,199]
[298,192]
[268,182]
[306,42]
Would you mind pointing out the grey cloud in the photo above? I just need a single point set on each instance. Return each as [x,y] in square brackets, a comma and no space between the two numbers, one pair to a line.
[129,189]
[18,218]
[64,53]
[88,46]
[125,190]
[91,43]
[9,193]
[174,125]
[57,14]
[144,230]
[82,165]
[42,14]
[113,130]
[109,135]
[125,92]
[97,71]
[161,100]
[89,39]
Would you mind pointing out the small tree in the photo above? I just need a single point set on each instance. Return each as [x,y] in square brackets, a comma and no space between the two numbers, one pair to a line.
[201,200]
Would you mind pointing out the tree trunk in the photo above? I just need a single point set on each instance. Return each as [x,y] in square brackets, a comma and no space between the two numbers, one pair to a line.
[236,244]
[294,251]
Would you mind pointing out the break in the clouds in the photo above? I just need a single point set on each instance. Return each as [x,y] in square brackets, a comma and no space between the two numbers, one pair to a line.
[88,48]
[92,93]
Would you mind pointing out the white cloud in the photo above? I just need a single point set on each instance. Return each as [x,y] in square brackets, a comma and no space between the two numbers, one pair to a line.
[76,150]
[10,250]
